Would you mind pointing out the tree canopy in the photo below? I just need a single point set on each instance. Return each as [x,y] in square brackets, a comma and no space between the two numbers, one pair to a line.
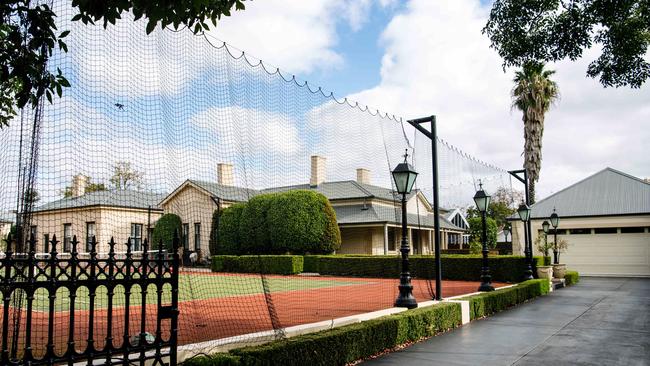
[553,30]
[28,36]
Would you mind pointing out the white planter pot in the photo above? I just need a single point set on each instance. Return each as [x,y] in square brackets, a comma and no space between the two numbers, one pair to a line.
[545,272]
[559,270]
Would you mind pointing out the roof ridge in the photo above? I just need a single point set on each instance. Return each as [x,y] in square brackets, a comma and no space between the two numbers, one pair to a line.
[362,188]
[626,175]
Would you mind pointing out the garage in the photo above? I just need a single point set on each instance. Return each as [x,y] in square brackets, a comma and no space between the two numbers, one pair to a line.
[605,219]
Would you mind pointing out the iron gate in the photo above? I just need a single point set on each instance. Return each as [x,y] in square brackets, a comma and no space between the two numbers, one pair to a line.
[61,276]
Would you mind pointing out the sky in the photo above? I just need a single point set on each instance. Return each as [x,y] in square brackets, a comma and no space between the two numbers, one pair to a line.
[421,57]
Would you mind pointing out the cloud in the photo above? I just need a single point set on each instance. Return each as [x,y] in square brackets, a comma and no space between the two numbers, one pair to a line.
[436,61]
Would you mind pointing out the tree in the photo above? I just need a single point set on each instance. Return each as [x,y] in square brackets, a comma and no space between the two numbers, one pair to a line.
[553,30]
[90,187]
[125,177]
[476,230]
[166,227]
[533,94]
[501,206]
[28,36]
[31,196]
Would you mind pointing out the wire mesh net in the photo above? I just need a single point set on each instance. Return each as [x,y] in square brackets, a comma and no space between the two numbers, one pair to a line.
[177,132]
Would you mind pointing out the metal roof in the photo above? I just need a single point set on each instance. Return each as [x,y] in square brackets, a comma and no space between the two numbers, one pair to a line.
[113,198]
[379,214]
[347,189]
[228,193]
[608,192]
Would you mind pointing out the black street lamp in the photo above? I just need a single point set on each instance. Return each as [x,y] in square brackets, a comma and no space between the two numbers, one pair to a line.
[404,176]
[506,232]
[482,201]
[555,221]
[545,226]
[524,215]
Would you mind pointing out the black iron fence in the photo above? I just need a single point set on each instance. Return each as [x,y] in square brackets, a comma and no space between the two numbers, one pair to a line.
[68,308]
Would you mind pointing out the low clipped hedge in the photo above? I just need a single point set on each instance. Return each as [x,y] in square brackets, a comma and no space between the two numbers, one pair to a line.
[492,302]
[571,278]
[455,267]
[340,346]
[271,264]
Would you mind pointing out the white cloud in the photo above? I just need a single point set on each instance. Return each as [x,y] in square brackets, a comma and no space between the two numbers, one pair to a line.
[436,61]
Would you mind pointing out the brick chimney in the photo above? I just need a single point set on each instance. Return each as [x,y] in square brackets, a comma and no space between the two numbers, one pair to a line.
[363,176]
[317,170]
[225,175]
[79,183]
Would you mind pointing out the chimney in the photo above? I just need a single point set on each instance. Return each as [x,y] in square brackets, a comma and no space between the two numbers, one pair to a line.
[79,183]
[317,170]
[225,174]
[363,176]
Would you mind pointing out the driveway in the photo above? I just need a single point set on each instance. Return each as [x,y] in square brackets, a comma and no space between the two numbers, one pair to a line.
[600,321]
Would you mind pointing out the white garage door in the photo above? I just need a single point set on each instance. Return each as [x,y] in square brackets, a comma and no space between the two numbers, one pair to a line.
[608,254]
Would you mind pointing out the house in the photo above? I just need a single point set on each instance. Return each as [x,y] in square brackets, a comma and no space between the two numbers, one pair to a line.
[457,240]
[6,220]
[120,214]
[606,220]
[368,215]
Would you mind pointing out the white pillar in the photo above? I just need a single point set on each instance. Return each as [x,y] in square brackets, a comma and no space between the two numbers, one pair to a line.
[385,239]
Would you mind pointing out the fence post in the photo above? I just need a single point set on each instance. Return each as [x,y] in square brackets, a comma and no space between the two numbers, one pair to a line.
[174,321]
[6,298]
[28,357]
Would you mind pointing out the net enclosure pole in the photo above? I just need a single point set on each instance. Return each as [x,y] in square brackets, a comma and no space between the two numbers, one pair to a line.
[432,135]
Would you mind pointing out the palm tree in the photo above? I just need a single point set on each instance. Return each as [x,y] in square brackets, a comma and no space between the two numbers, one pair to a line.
[533,95]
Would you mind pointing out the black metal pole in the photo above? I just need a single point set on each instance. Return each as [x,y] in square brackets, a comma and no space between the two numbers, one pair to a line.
[405,298]
[528,247]
[530,231]
[555,258]
[432,135]
[436,209]
[486,279]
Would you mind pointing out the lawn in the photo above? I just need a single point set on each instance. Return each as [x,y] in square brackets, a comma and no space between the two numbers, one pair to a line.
[192,286]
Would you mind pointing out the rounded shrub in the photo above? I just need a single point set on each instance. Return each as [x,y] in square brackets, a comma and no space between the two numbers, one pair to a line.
[229,241]
[302,221]
[253,229]
[166,226]
[214,232]
[476,230]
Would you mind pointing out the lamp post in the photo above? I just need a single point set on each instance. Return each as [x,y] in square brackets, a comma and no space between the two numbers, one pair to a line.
[524,215]
[482,201]
[545,226]
[404,176]
[506,232]
[555,221]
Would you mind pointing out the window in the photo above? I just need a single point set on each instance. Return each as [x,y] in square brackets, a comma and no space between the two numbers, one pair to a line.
[197,236]
[46,243]
[67,237]
[632,230]
[579,231]
[391,238]
[90,232]
[136,237]
[33,232]
[186,236]
[605,230]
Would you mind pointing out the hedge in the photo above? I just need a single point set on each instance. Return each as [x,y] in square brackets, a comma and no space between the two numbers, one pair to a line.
[571,278]
[297,222]
[166,227]
[491,302]
[270,264]
[340,346]
[455,267]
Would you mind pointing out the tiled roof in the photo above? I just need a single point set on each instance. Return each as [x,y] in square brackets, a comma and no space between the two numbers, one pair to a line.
[228,193]
[347,189]
[608,192]
[113,198]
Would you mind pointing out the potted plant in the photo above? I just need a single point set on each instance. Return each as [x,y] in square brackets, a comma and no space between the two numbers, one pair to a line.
[559,269]
[546,270]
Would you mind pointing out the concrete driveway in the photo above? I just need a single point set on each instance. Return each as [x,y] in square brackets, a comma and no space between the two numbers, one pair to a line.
[600,321]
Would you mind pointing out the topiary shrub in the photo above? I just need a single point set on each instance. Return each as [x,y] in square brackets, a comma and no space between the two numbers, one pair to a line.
[229,242]
[303,221]
[214,232]
[253,227]
[571,278]
[166,226]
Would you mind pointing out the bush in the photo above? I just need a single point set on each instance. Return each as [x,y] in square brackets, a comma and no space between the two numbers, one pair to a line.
[454,267]
[342,345]
[303,222]
[571,278]
[254,230]
[166,227]
[493,302]
[476,231]
[219,359]
[275,264]
[229,242]
[214,232]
